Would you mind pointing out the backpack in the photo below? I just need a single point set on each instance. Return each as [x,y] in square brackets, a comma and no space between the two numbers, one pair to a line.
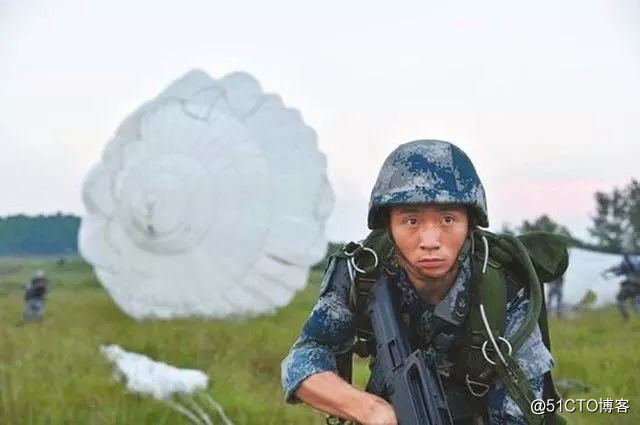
[534,258]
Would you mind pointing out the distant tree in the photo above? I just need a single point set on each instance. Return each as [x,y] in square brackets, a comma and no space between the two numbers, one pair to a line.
[544,224]
[616,224]
[53,234]
[507,229]
[332,247]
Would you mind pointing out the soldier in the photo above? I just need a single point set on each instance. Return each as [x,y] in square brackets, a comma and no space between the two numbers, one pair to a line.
[430,201]
[630,285]
[555,293]
[34,297]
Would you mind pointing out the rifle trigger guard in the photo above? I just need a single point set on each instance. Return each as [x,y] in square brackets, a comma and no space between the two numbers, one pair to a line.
[481,387]
[334,420]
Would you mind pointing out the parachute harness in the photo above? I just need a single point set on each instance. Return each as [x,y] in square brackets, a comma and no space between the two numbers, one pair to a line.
[355,254]
[486,322]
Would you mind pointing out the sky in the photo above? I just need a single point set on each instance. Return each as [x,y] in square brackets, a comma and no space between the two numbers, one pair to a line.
[543,96]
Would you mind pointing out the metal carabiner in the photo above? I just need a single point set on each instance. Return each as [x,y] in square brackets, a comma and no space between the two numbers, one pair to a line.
[355,265]
[486,356]
[484,388]
[492,338]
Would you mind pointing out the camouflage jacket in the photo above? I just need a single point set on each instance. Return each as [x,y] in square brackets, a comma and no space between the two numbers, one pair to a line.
[36,289]
[329,330]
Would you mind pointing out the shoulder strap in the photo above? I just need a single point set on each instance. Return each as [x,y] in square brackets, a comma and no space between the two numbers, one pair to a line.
[516,383]
[527,253]
[489,291]
[549,388]
[365,260]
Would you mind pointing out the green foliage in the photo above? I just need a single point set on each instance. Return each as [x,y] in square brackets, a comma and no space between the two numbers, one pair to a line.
[52,373]
[543,224]
[616,225]
[40,235]
[331,248]
[546,224]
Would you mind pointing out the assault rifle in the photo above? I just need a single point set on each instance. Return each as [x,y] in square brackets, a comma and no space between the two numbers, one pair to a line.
[411,379]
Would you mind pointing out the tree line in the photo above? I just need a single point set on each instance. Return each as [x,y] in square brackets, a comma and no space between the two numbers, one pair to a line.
[615,227]
[39,235]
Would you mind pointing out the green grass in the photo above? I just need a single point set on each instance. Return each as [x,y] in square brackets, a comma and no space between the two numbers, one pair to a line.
[53,372]
[603,352]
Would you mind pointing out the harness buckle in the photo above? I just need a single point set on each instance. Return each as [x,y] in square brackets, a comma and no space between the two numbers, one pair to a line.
[486,356]
[353,257]
[357,247]
[477,389]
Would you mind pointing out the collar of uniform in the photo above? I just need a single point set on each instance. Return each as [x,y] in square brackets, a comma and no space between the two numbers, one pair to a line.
[454,307]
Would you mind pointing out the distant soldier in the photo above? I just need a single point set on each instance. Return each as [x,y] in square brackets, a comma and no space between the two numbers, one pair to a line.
[555,293]
[34,297]
[630,286]
[629,290]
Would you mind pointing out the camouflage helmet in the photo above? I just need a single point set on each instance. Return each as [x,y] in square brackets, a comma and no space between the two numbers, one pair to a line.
[427,172]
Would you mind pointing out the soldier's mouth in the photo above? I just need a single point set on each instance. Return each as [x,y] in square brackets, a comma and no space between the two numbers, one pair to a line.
[431,263]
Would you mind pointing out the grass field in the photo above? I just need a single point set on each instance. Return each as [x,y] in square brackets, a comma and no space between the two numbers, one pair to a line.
[53,372]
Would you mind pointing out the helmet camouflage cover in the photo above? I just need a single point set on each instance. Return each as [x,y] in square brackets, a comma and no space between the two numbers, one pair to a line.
[427,172]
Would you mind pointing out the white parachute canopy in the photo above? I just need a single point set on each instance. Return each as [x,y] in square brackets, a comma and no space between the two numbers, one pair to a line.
[210,200]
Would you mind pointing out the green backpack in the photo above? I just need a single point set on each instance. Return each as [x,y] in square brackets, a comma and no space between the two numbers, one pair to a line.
[533,258]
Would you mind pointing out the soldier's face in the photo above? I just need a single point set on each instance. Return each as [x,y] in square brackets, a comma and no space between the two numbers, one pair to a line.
[429,237]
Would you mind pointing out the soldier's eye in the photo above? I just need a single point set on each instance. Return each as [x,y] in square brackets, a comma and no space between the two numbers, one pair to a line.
[448,219]
[411,221]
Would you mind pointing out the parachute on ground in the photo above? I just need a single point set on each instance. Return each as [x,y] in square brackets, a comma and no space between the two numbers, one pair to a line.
[210,200]
[183,390]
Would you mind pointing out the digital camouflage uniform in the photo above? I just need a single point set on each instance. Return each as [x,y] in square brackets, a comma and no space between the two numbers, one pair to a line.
[555,294]
[630,286]
[418,172]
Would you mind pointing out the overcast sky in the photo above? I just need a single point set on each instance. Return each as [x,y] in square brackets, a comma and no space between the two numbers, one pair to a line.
[544,96]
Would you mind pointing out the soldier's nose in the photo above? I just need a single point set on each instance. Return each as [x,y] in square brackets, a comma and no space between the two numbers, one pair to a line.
[430,238]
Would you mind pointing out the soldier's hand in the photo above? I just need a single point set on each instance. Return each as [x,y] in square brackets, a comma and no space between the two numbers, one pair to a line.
[377,411]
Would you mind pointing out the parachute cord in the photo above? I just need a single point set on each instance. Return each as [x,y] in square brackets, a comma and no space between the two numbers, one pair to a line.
[486,254]
[184,411]
[490,334]
[198,410]
[485,243]
[218,409]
